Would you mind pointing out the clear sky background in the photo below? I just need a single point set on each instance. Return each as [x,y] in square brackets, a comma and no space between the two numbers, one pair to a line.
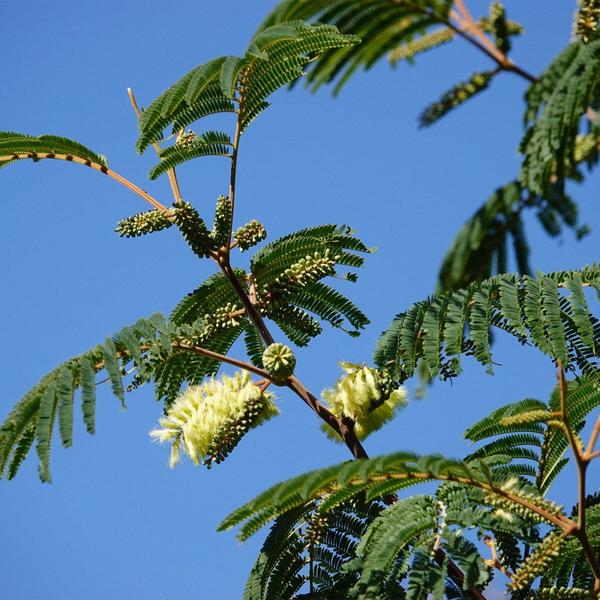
[116,522]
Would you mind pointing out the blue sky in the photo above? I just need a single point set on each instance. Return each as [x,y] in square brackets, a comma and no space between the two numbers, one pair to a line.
[116,523]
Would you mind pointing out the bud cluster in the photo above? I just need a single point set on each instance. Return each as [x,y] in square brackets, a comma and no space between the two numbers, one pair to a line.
[301,274]
[537,562]
[279,362]
[192,227]
[316,526]
[232,431]
[222,222]
[561,593]
[249,235]
[422,44]
[455,96]
[507,506]
[224,317]
[186,139]
[366,396]
[587,19]
[206,421]
[143,223]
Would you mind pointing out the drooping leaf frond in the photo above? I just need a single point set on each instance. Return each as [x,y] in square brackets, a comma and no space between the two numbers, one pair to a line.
[15,146]
[535,310]
[153,349]
[230,84]
[482,247]
[382,25]
[340,483]
[52,398]
[563,95]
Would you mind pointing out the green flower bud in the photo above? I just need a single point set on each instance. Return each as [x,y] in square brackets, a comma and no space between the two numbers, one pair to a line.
[143,223]
[192,227]
[279,361]
[537,562]
[249,235]
[222,222]
[186,139]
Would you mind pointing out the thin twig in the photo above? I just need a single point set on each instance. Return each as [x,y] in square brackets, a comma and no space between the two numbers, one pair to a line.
[170,172]
[223,358]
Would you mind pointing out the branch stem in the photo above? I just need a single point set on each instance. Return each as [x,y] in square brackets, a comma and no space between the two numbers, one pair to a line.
[226,359]
[171,174]
[582,461]
[93,165]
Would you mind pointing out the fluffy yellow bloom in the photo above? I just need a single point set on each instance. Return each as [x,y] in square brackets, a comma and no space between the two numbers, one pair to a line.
[208,420]
[363,394]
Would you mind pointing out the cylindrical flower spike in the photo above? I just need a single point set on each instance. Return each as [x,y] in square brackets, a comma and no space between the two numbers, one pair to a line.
[208,420]
[365,396]
[249,235]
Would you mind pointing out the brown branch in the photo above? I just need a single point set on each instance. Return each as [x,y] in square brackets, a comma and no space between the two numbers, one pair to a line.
[467,28]
[171,174]
[93,165]
[226,359]
[564,523]
[494,562]
[582,462]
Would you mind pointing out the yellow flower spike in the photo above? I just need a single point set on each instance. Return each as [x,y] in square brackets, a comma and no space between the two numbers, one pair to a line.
[207,421]
[364,395]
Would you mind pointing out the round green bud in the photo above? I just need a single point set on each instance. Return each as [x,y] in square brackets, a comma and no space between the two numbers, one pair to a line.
[279,362]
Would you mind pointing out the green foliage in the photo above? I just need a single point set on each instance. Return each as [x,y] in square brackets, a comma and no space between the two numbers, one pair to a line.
[559,100]
[533,309]
[528,430]
[34,416]
[381,25]
[410,540]
[15,146]
[274,58]
[285,297]
[210,143]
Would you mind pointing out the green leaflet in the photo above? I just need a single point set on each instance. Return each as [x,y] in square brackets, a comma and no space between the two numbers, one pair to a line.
[210,143]
[229,84]
[65,392]
[530,308]
[565,91]
[46,146]
[146,346]
[381,25]
[44,427]
[521,431]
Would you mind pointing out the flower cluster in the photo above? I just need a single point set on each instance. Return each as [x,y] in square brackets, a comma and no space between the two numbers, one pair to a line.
[208,420]
[365,396]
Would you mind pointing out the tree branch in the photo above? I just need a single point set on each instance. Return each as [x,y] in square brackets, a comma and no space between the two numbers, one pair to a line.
[582,463]
[93,165]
